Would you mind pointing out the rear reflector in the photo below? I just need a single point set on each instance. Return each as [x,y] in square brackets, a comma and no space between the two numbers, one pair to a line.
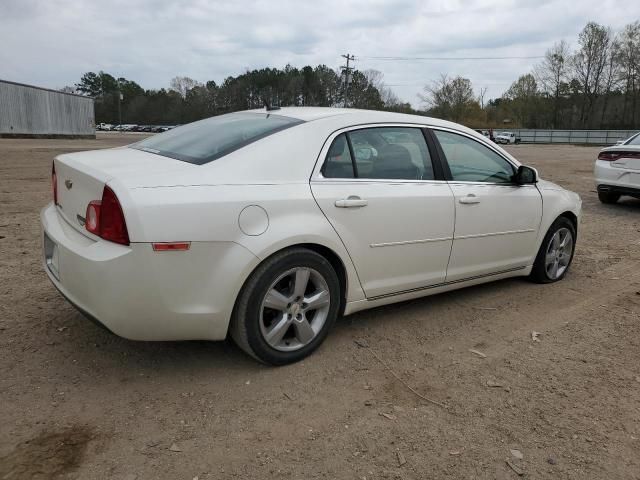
[613,156]
[171,246]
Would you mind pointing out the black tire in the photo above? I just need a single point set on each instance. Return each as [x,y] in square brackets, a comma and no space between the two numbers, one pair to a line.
[608,197]
[539,272]
[245,326]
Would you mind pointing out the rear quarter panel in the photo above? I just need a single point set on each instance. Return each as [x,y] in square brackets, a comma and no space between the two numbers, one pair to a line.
[212,214]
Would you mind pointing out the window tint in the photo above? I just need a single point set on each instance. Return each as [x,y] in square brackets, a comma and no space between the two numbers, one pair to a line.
[338,163]
[393,153]
[470,161]
[204,141]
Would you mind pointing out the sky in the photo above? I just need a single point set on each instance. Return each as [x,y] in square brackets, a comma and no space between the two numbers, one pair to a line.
[51,43]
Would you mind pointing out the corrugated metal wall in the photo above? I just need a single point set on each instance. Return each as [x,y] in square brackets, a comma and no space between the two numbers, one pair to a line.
[27,110]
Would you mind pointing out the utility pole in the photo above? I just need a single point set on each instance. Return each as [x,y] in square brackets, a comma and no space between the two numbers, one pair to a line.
[120,98]
[346,69]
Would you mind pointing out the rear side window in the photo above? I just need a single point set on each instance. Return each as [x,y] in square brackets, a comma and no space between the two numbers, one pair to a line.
[339,163]
[635,140]
[206,140]
[391,153]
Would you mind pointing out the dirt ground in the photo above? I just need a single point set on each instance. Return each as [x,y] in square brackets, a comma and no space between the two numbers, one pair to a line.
[79,403]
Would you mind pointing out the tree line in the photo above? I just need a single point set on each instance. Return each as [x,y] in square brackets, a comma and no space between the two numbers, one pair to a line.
[594,85]
[119,100]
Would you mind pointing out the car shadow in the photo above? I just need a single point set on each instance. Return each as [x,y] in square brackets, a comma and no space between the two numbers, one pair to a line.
[118,357]
[628,203]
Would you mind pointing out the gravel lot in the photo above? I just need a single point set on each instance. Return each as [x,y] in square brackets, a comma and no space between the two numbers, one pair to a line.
[78,402]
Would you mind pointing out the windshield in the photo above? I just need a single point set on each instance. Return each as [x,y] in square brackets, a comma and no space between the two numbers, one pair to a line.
[206,140]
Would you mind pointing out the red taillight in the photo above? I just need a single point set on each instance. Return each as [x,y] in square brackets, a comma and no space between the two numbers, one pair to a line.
[105,218]
[613,156]
[54,183]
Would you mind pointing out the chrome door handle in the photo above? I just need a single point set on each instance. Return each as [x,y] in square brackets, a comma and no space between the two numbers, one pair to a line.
[469,199]
[352,202]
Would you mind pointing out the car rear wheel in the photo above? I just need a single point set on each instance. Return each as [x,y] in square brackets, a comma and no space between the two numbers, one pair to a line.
[556,252]
[287,307]
[608,197]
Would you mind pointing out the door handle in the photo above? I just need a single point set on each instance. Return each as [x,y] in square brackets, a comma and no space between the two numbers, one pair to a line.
[469,199]
[352,202]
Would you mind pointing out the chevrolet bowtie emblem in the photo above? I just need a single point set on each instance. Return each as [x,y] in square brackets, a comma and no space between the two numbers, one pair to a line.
[68,184]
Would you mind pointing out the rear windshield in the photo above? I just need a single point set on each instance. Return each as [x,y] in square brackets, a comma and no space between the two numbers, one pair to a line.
[206,140]
[635,140]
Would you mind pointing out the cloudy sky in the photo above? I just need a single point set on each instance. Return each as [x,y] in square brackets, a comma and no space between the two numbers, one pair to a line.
[53,42]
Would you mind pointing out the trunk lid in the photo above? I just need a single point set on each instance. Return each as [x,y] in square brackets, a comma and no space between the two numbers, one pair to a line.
[81,176]
[630,156]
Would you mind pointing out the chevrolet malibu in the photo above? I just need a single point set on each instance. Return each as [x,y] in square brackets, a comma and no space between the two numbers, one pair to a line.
[268,225]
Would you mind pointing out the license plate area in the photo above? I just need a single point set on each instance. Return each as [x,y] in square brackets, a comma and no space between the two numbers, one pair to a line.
[51,256]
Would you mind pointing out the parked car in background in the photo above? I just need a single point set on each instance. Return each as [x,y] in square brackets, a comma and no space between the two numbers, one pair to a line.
[269,225]
[617,171]
[507,138]
[104,127]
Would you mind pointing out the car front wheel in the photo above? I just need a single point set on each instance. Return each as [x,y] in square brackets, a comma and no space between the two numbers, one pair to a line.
[287,307]
[556,252]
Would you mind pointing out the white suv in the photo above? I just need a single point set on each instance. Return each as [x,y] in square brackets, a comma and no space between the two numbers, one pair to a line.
[617,171]
[507,138]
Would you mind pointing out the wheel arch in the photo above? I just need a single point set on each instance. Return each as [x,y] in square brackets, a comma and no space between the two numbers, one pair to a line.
[326,252]
[336,262]
[572,217]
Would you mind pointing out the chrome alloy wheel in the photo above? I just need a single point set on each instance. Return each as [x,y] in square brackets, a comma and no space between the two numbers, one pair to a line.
[559,253]
[294,309]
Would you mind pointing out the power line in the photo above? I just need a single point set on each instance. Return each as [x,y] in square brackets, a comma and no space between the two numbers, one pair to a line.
[492,84]
[402,59]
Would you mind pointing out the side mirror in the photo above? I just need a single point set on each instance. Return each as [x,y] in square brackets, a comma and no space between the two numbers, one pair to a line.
[525,175]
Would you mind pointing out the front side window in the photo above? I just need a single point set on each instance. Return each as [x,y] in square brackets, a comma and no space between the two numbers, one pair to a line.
[470,161]
[386,153]
[206,140]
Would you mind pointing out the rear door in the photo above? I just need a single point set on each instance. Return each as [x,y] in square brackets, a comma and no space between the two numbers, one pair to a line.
[394,212]
[497,221]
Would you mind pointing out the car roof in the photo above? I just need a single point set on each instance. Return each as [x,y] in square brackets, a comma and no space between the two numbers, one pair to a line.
[355,116]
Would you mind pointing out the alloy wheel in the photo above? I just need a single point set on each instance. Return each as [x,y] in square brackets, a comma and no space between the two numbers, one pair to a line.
[559,253]
[294,309]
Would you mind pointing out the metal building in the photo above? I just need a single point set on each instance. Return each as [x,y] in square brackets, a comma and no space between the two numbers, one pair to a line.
[28,111]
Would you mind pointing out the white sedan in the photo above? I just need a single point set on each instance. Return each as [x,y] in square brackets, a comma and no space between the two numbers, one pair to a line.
[268,225]
[617,171]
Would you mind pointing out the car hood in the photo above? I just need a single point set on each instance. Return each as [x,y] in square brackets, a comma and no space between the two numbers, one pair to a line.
[547,185]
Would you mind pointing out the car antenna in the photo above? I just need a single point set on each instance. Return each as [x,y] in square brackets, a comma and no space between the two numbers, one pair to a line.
[268,107]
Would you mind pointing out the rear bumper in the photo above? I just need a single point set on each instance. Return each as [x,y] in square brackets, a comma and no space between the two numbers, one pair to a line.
[140,294]
[632,192]
[615,179]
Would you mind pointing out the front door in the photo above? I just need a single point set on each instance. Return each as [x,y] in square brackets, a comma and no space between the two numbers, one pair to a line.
[497,221]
